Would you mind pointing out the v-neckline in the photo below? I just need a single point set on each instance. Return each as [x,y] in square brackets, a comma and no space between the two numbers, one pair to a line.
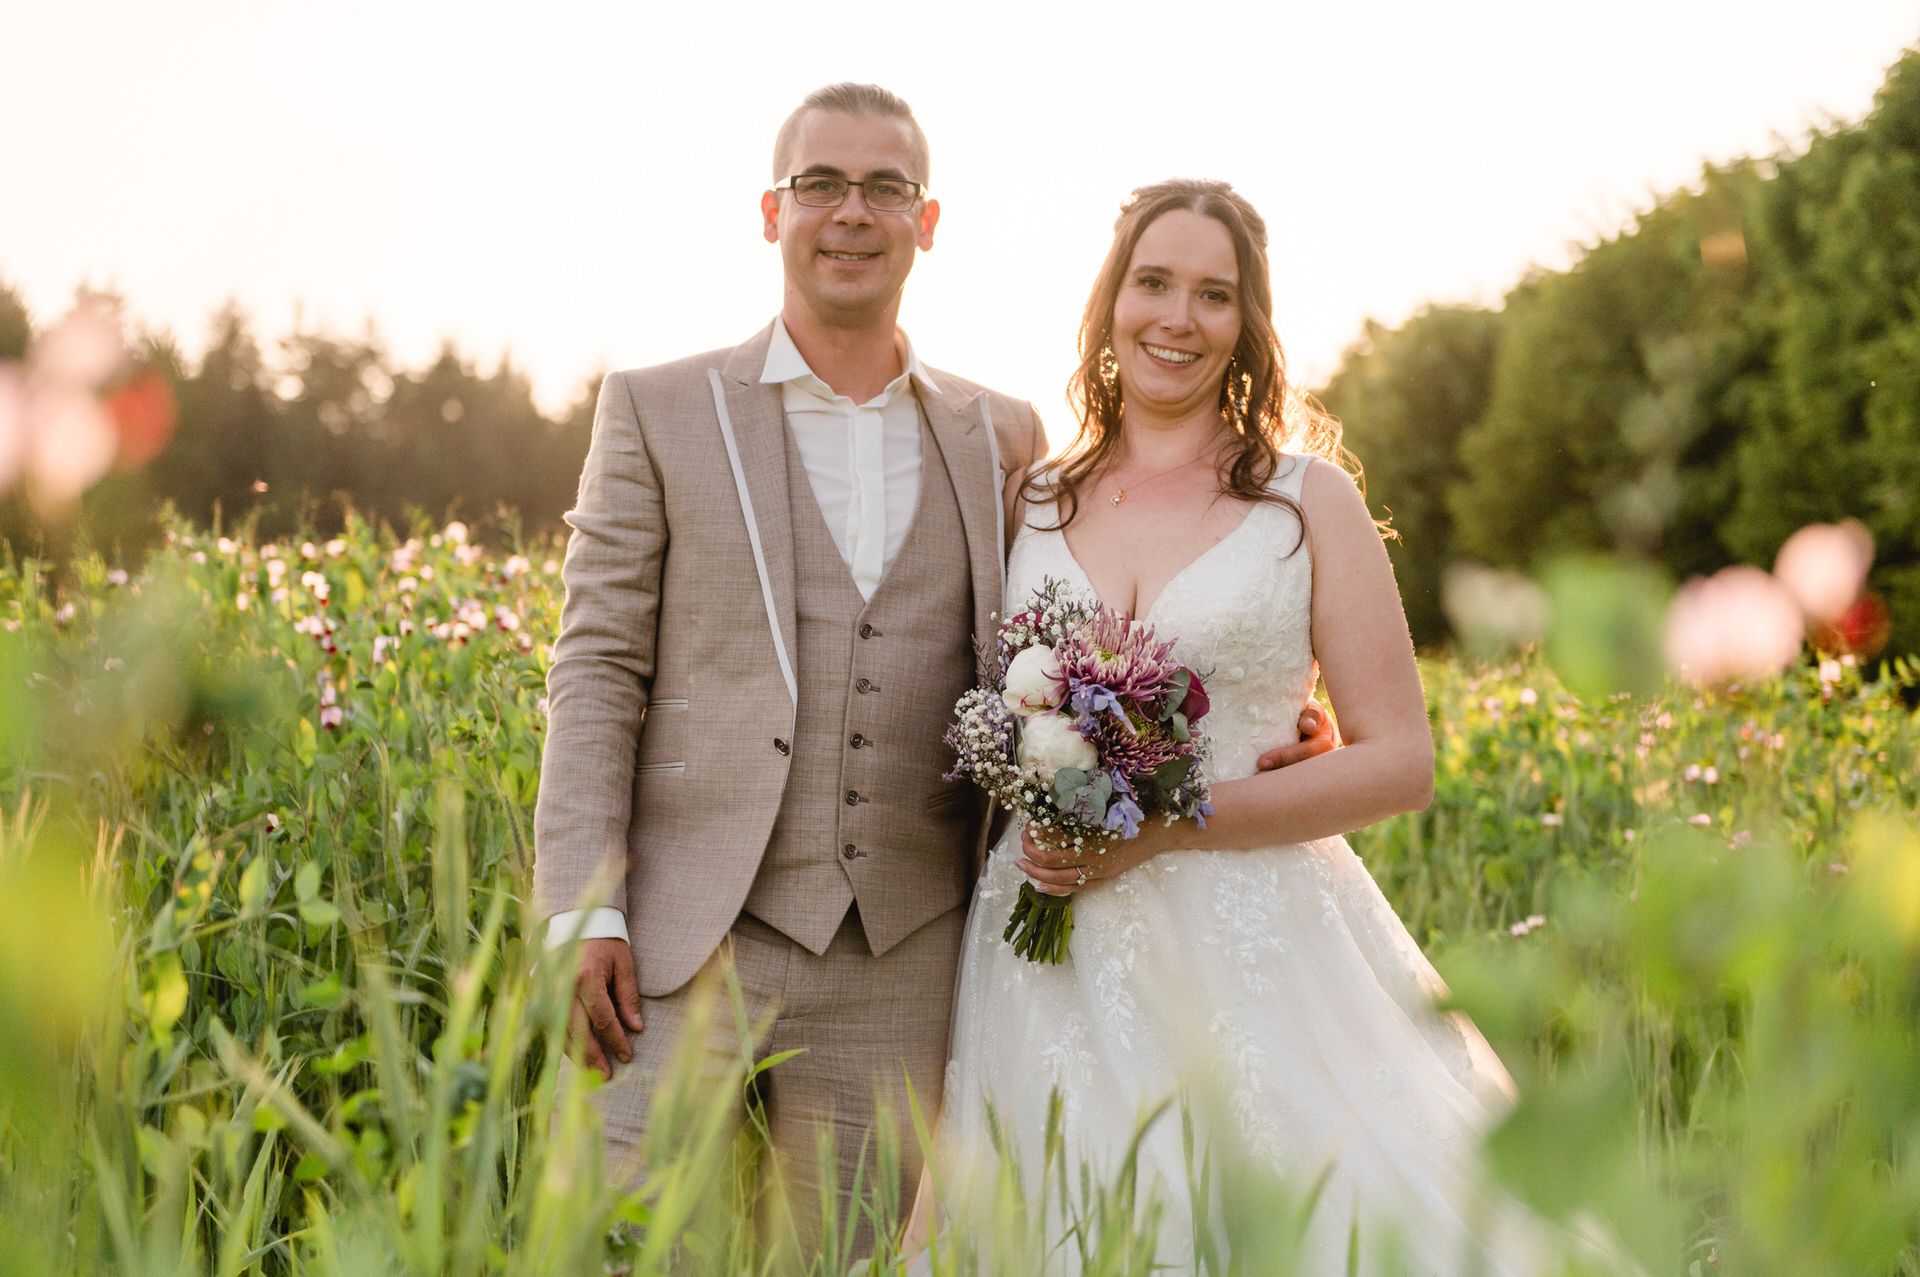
[1189,566]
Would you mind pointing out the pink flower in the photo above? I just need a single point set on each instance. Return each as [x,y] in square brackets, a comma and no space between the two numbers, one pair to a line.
[331,717]
[1737,623]
[1823,566]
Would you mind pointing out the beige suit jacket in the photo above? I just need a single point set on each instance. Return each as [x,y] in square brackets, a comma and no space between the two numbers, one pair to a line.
[672,599]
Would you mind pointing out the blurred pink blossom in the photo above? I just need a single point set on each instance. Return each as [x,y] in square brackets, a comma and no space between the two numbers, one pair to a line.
[1737,623]
[1824,565]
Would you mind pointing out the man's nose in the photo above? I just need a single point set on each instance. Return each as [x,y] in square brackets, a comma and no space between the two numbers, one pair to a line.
[853,210]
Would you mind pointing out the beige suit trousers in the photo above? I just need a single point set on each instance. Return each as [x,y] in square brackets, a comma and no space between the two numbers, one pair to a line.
[858,1022]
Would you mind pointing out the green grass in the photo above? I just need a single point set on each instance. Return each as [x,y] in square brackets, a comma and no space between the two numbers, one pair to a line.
[267,1004]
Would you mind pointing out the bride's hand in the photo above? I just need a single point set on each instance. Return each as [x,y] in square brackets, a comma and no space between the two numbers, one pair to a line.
[1063,871]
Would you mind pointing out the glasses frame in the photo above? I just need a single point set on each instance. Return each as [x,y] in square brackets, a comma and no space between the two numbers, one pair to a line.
[919,191]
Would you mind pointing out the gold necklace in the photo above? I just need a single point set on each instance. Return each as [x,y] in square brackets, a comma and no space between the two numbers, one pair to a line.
[1120,494]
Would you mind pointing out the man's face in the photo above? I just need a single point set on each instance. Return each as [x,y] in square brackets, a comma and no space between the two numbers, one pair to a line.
[848,264]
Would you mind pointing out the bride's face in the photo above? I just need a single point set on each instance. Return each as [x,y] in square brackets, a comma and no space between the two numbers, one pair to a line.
[1177,318]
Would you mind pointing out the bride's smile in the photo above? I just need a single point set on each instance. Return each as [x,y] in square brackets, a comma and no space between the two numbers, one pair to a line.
[1176,320]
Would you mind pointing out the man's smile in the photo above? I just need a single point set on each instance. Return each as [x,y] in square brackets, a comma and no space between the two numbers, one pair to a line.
[838,256]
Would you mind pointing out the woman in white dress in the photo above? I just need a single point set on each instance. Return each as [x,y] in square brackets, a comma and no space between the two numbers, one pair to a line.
[1252,966]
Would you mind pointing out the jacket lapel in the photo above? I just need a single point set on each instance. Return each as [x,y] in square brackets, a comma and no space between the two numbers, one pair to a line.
[962,442]
[760,429]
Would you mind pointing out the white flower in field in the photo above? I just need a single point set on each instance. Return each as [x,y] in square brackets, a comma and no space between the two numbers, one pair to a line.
[1829,671]
[1552,818]
[524,641]
[1692,773]
[274,823]
[1519,929]
[406,628]
[327,696]
[276,572]
[1711,775]
[384,645]
[226,546]
[309,551]
[242,602]
[455,532]
[1049,741]
[1824,565]
[517,565]
[280,594]
[116,577]
[426,573]
[468,555]
[1535,921]
[199,557]
[331,717]
[407,585]
[1700,818]
[1528,696]
[1737,623]
[1034,680]
[541,705]
[460,631]
[1494,607]
[506,618]
[550,568]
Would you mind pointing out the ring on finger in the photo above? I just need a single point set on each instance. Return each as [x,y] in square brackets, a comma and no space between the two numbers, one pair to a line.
[1083,875]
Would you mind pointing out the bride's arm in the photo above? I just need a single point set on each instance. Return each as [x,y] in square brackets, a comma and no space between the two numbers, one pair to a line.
[1366,657]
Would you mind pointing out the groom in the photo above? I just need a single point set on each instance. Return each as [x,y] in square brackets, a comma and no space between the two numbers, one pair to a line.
[781,553]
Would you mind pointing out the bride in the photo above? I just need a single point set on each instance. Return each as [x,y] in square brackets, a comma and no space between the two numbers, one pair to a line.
[1252,966]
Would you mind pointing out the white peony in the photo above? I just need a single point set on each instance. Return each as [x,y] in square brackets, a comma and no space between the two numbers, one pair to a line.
[1034,681]
[1049,741]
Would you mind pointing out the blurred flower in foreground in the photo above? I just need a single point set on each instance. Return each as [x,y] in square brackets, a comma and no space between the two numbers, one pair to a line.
[1824,565]
[1491,609]
[1739,623]
[77,406]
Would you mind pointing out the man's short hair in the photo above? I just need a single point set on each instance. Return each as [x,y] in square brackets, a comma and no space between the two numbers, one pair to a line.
[847,98]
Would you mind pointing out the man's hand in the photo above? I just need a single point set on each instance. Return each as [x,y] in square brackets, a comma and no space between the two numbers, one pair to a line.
[606,1004]
[1317,736]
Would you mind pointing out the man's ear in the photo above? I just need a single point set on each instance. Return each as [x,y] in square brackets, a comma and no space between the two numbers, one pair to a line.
[929,218]
[770,216]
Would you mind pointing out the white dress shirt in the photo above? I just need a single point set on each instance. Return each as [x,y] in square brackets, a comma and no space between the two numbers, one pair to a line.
[863,464]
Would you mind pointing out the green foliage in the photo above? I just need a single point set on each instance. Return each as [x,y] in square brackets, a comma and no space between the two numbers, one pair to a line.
[1405,397]
[1737,363]
[266,1002]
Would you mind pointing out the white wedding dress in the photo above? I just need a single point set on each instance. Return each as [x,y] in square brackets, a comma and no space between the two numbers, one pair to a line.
[1274,988]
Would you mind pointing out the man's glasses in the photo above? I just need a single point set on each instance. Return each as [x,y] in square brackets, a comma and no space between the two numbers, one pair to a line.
[881,194]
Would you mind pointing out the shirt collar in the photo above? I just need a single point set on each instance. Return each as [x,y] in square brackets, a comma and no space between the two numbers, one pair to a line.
[785,363]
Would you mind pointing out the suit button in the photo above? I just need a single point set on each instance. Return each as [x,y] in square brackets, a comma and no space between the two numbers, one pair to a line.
[853,798]
[863,685]
[782,746]
[857,741]
[849,851]
[867,631]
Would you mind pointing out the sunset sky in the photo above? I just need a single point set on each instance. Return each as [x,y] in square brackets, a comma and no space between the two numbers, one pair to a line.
[576,184]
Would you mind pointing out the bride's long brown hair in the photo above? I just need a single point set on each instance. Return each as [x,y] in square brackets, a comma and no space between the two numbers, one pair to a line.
[1266,413]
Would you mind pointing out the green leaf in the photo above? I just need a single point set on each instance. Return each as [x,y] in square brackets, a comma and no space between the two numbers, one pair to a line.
[321,913]
[309,1168]
[253,884]
[1065,782]
[306,883]
[165,996]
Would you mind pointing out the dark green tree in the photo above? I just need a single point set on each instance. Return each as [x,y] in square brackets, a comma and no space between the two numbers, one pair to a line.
[1405,396]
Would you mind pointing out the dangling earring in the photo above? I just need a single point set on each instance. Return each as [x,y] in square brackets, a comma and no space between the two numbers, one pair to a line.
[1109,368]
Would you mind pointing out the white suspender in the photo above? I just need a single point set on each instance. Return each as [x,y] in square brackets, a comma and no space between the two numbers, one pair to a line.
[753,536]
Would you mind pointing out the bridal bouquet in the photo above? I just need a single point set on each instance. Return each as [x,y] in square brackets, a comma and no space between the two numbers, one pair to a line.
[1085,725]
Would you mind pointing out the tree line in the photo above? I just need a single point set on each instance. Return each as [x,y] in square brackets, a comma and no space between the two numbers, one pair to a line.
[1742,360]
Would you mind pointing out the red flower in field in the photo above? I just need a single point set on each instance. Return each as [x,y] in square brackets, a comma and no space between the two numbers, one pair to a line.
[1862,630]
[143,412]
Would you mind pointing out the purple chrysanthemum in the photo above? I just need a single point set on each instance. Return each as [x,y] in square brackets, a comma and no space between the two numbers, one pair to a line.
[1119,655]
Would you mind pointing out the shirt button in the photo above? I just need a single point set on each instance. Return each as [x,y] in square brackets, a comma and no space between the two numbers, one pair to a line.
[863,685]
[782,746]
[857,741]
[853,798]
[867,631]
[849,851]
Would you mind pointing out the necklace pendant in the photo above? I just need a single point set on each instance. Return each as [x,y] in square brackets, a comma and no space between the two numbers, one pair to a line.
[1119,496]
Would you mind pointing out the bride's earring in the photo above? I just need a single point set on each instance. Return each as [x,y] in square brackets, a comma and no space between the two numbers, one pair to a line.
[1109,368]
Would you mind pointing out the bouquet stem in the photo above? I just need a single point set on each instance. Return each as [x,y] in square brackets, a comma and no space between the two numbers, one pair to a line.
[1041,925]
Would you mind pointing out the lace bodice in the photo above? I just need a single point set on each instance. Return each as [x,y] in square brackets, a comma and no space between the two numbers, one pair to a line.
[1241,614]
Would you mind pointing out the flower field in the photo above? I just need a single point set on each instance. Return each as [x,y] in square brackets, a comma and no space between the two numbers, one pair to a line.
[267,1002]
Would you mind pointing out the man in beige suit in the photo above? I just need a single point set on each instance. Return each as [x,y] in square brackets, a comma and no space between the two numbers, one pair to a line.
[781,553]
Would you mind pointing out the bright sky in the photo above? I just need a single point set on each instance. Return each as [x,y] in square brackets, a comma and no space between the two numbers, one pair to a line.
[577,183]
